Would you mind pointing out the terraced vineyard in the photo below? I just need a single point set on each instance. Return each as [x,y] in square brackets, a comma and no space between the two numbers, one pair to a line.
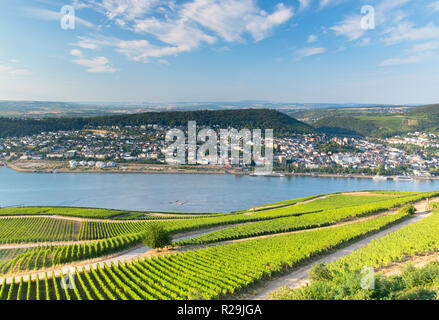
[39,245]
[209,273]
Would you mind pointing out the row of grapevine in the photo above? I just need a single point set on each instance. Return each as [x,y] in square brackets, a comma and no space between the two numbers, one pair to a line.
[419,238]
[96,213]
[294,223]
[91,230]
[16,230]
[64,211]
[48,256]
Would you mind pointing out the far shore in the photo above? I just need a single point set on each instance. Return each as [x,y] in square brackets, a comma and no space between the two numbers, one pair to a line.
[57,167]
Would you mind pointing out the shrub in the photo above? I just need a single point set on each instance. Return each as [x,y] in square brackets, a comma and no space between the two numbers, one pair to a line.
[411,210]
[320,272]
[414,277]
[418,294]
[156,237]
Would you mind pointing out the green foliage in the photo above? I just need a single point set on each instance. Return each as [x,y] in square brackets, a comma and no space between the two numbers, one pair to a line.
[411,210]
[156,236]
[413,284]
[320,272]
[418,294]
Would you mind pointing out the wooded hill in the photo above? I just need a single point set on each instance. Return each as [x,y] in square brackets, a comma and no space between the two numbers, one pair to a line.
[243,118]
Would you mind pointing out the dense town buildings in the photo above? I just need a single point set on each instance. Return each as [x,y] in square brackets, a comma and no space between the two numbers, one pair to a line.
[109,146]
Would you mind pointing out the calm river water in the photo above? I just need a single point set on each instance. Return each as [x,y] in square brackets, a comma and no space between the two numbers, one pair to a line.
[175,192]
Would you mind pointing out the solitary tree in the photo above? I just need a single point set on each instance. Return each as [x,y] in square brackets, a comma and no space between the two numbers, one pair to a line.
[156,236]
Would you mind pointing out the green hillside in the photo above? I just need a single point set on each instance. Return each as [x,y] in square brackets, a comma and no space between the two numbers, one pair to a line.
[423,118]
[425,111]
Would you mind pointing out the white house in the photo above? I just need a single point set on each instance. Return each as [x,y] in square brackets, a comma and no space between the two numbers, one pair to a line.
[100,165]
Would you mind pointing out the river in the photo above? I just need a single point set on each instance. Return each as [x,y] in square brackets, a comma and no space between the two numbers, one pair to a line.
[175,192]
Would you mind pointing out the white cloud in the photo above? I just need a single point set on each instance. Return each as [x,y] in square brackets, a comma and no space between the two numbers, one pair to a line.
[50,15]
[95,65]
[350,28]
[324,3]
[404,61]
[11,71]
[177,33]
[407,32]
[385,11]
[387,6]
[304,4]
[312,38]
[427,46]
[434,6]
[311,51]
[183,27]
[93,43]
[80,4]
[125,9]
[260,25]
[76,53]
[364,42]
[227,19]
[165,62]
[142,50]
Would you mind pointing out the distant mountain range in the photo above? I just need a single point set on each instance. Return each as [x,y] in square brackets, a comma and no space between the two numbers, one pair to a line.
[48,109]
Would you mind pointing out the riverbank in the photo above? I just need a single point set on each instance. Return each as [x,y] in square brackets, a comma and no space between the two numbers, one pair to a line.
[62,167]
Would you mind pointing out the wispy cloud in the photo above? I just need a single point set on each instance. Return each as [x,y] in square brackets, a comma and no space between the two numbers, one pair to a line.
[350,27]
[310,51]
[408,32]
[182,27]
[427,46]
[434,6]
[93,65]
[325,3]
[304,4]
[405,60]
[49,15]
[385,12]
[12,71]
[312,38]
[76,53]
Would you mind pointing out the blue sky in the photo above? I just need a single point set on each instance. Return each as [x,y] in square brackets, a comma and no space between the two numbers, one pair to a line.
[227,50]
